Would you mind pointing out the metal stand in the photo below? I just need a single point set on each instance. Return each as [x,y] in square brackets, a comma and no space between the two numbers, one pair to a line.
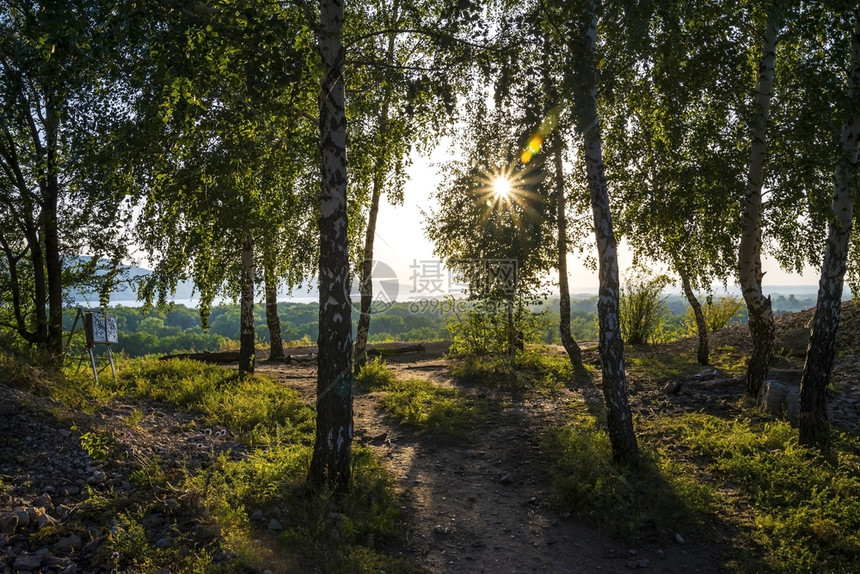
[97,332]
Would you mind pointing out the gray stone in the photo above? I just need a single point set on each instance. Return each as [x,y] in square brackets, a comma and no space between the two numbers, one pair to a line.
[257,515]
[27,562]
[23,517]
[274,524]
[8,524]
[45,520]
[678,538]
[164,542]
[73,541]
[777,398]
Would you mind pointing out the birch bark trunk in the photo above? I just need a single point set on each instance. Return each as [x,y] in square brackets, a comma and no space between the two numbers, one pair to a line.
[366,284]
[332,453]
[247,334]
[750,274]
[567,340]
[273,322]
[703,352]
[814,426]
[618,417]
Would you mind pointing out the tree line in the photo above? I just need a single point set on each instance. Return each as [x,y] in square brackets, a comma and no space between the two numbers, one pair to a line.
[246,146]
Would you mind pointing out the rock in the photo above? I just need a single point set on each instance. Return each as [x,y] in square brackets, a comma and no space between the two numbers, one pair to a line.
[507,479]
[71,569]
[777,398]
[632,564]
[8,524]
[257,515]
[73,541]
[43,501]
[164,542]
[274,524]
[23,517]
[678,538]
[70,490]
[671,388]
[644,563]
[97,477]
[27,562]
[45,520]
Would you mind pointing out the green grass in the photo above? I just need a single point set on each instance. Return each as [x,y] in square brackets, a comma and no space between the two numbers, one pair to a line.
[529,372]
[254,407]
[421,403]
[441,410]
[322,531]
[786,508]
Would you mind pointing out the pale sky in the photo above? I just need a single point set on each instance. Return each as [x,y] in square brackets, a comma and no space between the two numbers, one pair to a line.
[401,243]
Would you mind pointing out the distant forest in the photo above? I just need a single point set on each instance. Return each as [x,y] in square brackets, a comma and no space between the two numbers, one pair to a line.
[170,330]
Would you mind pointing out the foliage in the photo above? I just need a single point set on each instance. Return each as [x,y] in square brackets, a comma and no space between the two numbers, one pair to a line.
[641,308]
[654,500]
[255,407]
[719,313]
[482,327]
[374,375]
[790,510]
[342,532]
[98,445]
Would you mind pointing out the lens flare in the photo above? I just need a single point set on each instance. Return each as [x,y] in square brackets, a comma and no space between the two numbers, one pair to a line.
[501,187]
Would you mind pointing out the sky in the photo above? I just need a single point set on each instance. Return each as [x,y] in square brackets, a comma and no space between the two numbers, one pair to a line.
[402,245]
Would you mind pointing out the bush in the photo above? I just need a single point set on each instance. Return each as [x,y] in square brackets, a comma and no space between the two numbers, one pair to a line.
[483,328]
[375,375]
[642,312]
[718,314]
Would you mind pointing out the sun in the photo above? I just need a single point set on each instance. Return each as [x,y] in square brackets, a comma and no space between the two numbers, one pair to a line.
[501,187]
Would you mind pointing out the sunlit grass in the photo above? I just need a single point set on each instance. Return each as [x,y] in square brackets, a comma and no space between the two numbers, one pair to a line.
[787,508]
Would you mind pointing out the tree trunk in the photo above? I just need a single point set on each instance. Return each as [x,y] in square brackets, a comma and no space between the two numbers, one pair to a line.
[703,353]
[332,454]
[567,340]
[761,323]
[247,334]
[366,284]
[276,343]
[53,261]
[379,168]
[814,427]
[618,417]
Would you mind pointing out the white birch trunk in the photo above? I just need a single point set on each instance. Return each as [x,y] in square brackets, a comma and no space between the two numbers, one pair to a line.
[814,427]
[330,464]
[761,323]
[247,334]
[618,416]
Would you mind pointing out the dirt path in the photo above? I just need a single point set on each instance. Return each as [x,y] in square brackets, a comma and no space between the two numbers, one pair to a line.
[483,503]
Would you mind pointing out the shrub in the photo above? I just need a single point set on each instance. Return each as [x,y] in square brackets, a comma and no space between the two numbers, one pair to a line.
[375,375]
[642,312]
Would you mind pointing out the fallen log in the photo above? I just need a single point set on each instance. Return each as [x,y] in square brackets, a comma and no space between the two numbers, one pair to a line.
[395,350]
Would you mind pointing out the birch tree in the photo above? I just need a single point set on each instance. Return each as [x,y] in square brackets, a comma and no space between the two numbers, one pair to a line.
[761,323]
[582,46]
[814,429]
[330,464]
[57,108]
[672,131]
